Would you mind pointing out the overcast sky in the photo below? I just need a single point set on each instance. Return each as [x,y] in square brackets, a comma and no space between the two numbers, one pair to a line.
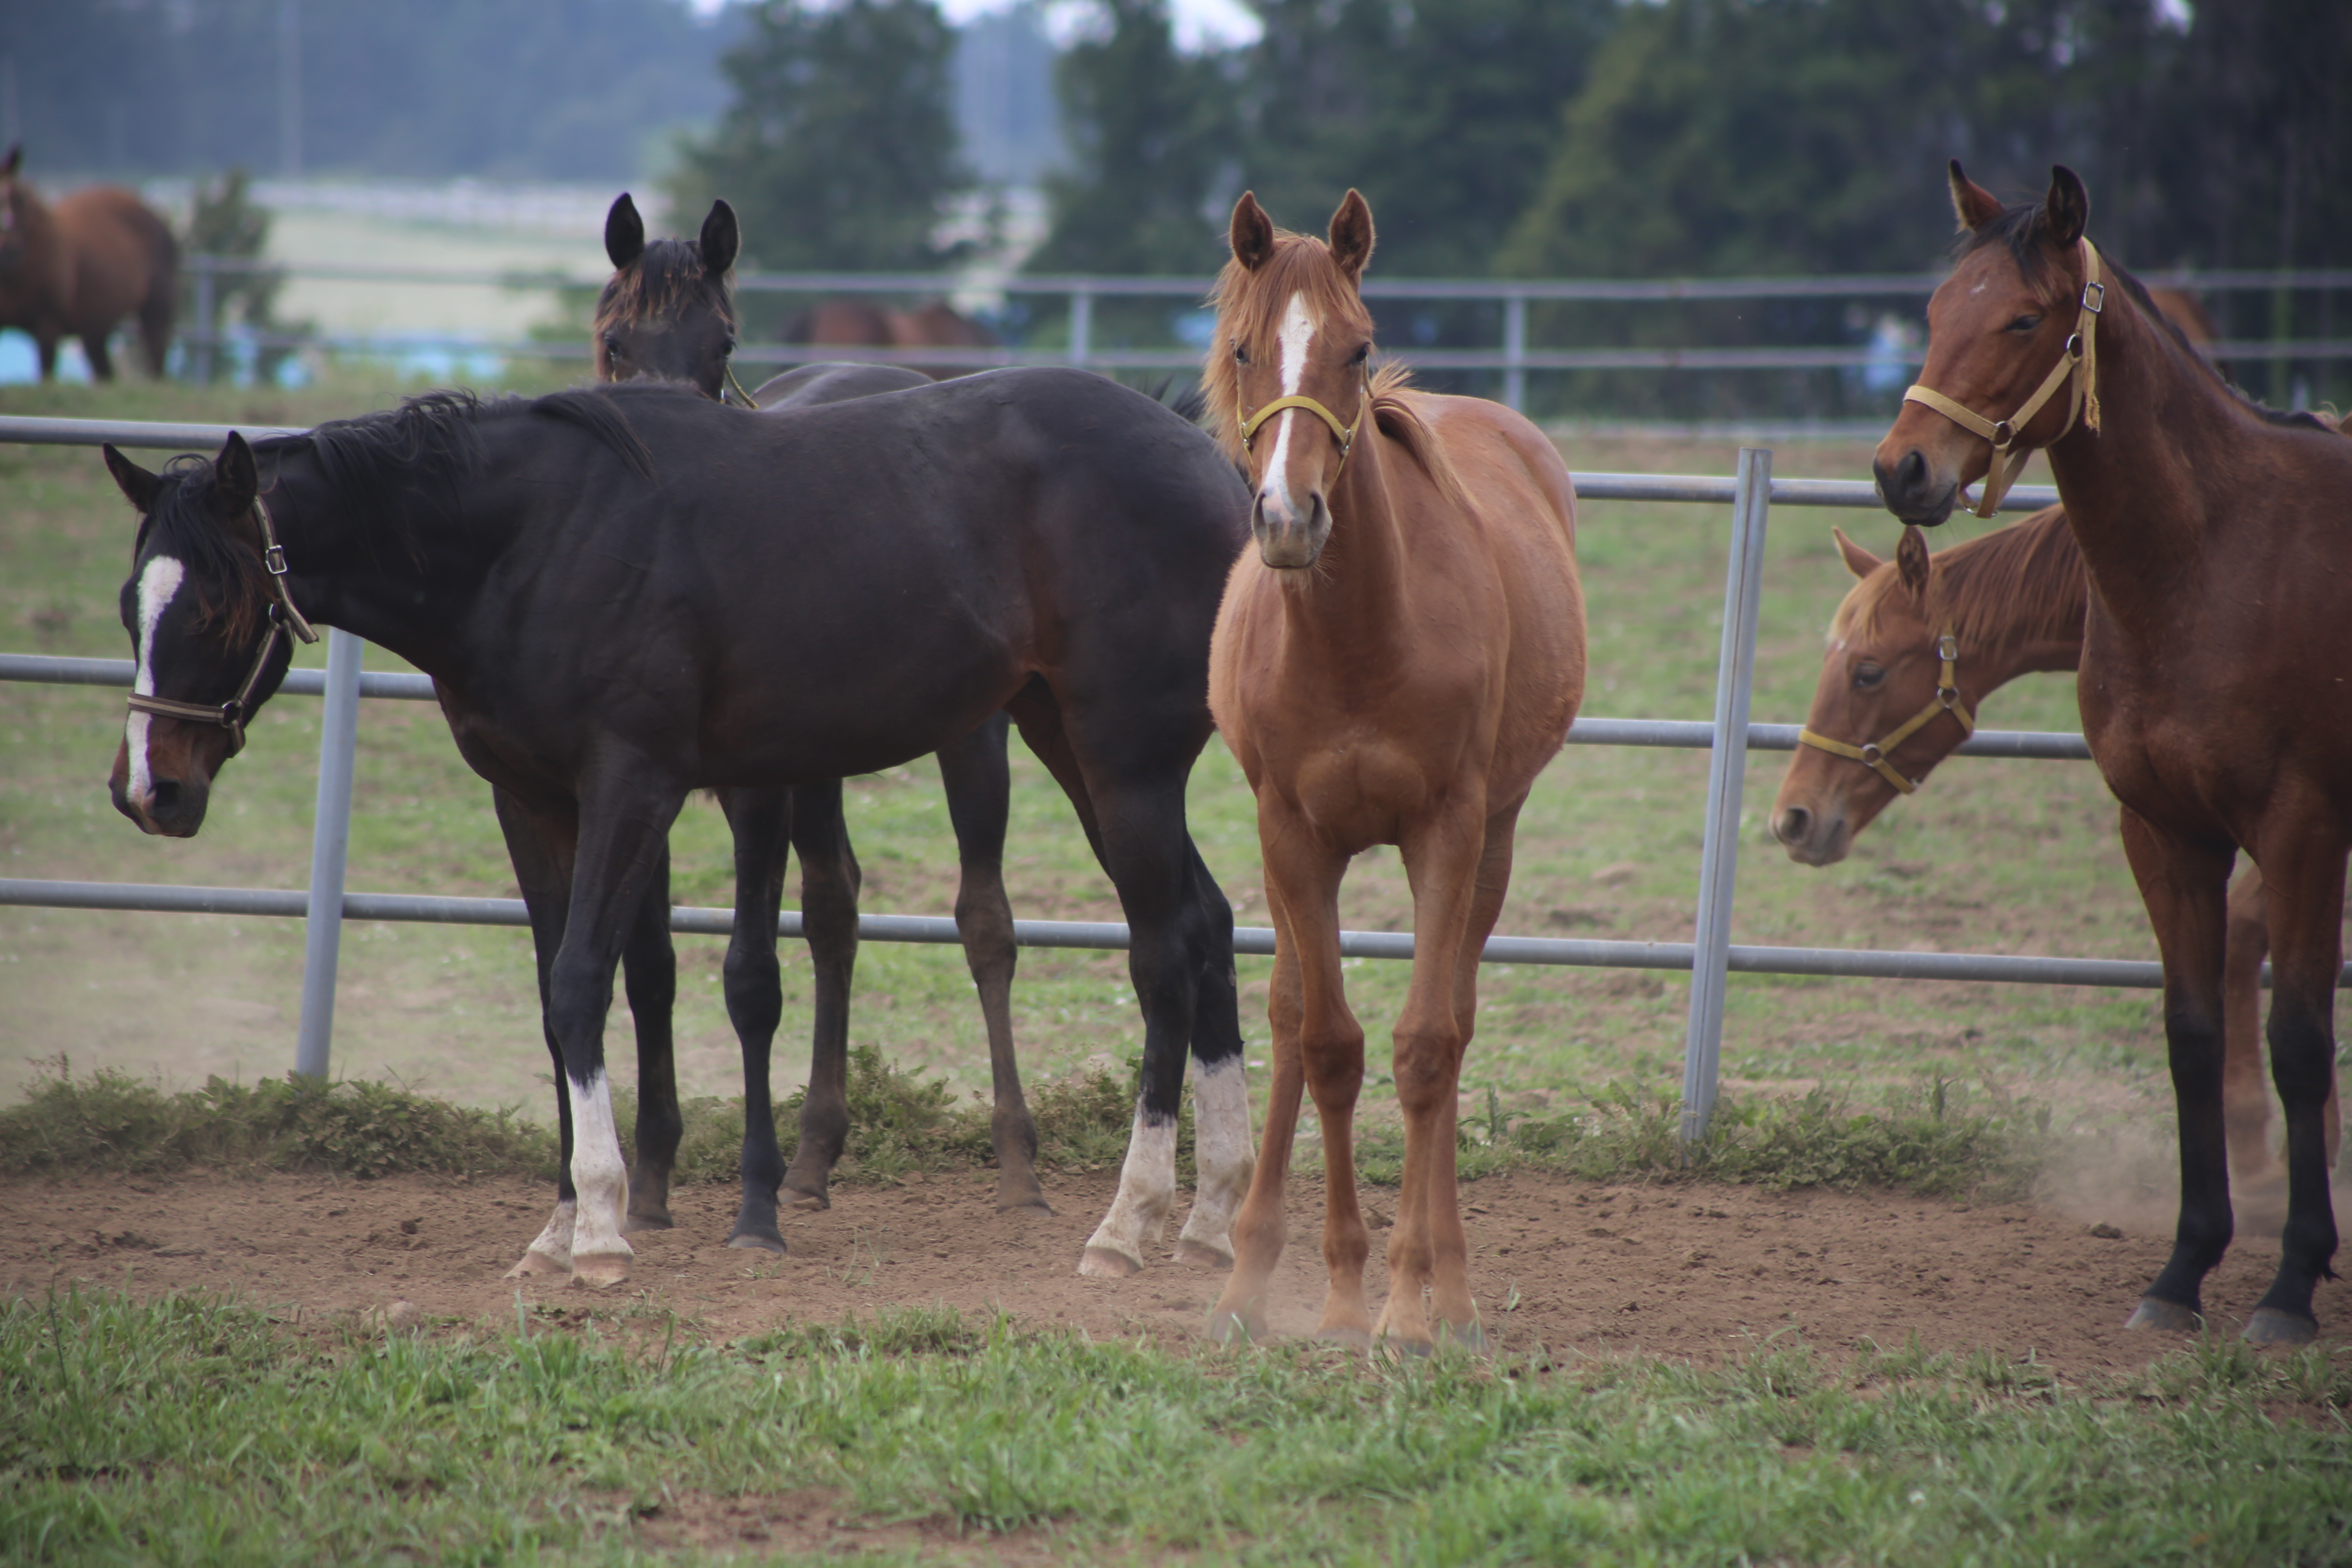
[1198,22]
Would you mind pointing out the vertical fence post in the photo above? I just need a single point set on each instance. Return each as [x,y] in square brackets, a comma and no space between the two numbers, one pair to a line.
[1726,773]
[1515,353]
[1082,325]
[200,347]
[331,841]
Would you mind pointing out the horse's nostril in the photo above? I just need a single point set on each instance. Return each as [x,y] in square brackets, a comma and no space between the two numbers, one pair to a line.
[164,797]
[1791,826]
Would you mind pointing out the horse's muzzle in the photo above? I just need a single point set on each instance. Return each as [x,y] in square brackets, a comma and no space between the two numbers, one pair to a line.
[1809,837]
[174,807]
[1286,540]
[1913,490]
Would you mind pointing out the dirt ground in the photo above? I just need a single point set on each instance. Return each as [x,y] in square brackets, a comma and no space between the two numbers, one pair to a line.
[1687,1271]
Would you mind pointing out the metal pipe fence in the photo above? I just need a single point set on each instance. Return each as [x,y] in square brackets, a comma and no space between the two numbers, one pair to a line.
[1711,956]
[1514,358]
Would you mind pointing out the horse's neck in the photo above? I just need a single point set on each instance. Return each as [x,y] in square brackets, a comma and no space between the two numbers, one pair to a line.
[401,595]
[1354,592]
[2142,490]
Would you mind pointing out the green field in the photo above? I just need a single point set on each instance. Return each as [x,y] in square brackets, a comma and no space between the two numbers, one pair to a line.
[2001,857]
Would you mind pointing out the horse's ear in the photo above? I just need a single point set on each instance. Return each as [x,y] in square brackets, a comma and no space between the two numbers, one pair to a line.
[1253,231]
[1351,235]
[722,238]
[135,482]
[236,478]
[1971,203]
[1911,562]
[1858,561]
[625,234]
[15,160]
[2066,210]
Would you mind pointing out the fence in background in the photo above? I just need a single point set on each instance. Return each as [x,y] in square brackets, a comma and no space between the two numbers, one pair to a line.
[1513,357]
[1711,955]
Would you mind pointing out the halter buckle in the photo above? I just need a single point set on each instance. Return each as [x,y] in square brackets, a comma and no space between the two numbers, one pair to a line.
[274,559]
[2094,297]
[1871,755]
[1948,647]
[2003,435]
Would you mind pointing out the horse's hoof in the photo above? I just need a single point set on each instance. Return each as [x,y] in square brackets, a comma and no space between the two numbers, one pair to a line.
[2170,1316]
[1469,1337]
[757,1241]
[805,1203]
[600,1271]
[660,1220]
[1354,1339]
[1205,1254]
[1102,1263]
[536,1266]
[1014,1202]
[1402,1347]
[1227,1327]
[2268,1326]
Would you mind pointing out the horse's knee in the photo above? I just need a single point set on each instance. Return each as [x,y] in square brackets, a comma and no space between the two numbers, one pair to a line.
[1426,1070]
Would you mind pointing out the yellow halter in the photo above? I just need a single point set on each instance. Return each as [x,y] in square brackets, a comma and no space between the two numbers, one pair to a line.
[2081,397]
[1872,754]
[1343,434]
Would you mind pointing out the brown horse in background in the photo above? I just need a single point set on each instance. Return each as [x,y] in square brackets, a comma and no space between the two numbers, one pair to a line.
[856,322]
[2215,639]
[75,269]
[1394,664]
[2013,603]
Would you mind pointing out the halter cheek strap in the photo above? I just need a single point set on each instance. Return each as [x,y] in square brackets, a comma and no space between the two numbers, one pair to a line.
[284,617]
[1872,754]
[1343,434]
[2082,395]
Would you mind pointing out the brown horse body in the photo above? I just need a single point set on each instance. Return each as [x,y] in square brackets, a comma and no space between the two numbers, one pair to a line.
[2214,536]
[857,323]
[2013,601]
[1394,664]
[74,268]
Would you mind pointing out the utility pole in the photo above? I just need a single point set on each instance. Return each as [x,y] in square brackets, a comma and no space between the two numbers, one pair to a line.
[289,89]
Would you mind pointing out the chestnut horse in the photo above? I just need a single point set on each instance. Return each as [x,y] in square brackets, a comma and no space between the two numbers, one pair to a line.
[75,269]
[2012,603]
[2211,531]
[1394,664]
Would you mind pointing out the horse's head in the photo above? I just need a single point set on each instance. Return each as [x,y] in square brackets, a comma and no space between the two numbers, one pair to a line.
[13,199]
[1288,377]
[2008,345]
[669,310]
[210,640]
[1883,668]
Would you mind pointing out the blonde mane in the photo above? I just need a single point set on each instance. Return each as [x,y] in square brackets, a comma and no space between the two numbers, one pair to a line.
[1249,305]
[2014,584]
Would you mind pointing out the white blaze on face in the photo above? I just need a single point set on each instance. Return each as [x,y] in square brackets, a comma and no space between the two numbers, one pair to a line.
[157,587]
[1297,334]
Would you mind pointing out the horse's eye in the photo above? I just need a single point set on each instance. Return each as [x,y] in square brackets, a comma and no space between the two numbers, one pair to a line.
[1362,354]
[1867,676]
[729,347]
[2024,323]
[1241,353]
[612,342]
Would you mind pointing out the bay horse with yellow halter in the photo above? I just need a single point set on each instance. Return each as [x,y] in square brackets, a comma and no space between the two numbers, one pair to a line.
[1394,663]
[2212,533]
[2007,603]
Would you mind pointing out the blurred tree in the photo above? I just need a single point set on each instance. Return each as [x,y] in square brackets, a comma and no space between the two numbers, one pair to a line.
[839,150]
[1152,135]
[224,220]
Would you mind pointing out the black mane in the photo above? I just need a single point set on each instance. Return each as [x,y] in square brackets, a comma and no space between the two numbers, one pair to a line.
[665,277]
[2023,227]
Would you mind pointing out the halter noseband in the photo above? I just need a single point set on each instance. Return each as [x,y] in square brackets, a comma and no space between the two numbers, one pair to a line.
[729,383]
[232,714]
[2082,395]
[1872,754]
[1343,434]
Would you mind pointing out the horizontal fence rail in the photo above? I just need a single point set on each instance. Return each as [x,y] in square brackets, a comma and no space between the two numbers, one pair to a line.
[1711,957]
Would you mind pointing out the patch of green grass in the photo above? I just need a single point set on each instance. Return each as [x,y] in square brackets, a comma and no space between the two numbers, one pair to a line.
[188,1428]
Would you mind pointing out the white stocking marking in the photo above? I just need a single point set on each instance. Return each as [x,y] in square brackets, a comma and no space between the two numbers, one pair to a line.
[1224,1152]
[1147,1191]
[157,585]
[597,1173]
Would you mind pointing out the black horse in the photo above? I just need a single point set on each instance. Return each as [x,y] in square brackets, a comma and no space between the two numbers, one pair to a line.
[627,594]
[667,313]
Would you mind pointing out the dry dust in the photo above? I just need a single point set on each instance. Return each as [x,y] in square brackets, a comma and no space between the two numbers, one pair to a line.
[1689,1271]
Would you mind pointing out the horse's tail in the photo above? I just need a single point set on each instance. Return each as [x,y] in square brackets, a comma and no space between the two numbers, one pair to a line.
[162,302]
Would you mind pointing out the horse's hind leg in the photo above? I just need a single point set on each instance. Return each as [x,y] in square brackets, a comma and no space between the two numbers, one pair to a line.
[101,362]
[761,819]
[2245,1088]
[2183,882]
[540,849]
[829,879]
[2304,868]
[979,790]
[1222,1156]
[649,974]
[155,326]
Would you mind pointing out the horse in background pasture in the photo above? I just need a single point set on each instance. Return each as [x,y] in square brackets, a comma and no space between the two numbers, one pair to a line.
[854,321]
[74,267]
[1394,663]
[2213,536]
[2012,603]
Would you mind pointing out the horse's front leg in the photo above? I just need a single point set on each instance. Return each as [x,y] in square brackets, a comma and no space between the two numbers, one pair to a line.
[2184,884]
[2303,871]
[649,974]
[540,845]
[829,882]
[1222,1157]
[761,821]
[980,794]
[1427,1253]
[625,822]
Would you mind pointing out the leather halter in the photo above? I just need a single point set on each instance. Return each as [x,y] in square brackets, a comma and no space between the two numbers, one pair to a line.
[232,714]
[1343,434]
[1872,754]
[2081,394]
[729,383]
